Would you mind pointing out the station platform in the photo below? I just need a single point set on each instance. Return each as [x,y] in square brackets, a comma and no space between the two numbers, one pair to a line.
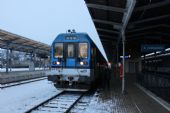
[111,100]
[16,76]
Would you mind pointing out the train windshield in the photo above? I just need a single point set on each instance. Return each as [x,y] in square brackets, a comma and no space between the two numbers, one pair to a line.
[70,50]
[82,50]
[58,50]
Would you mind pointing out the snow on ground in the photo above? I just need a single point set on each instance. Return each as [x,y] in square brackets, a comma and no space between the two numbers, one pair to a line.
[99,105]
[18,99]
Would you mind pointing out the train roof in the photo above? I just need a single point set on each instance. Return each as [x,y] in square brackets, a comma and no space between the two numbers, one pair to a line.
[81,33]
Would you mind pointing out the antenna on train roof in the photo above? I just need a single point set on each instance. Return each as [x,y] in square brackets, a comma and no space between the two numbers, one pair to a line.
[71,31]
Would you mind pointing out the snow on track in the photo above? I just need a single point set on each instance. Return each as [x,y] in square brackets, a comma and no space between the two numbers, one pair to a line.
[61,103]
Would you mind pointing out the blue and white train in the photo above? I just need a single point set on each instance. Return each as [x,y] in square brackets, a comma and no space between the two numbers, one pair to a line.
[75,61]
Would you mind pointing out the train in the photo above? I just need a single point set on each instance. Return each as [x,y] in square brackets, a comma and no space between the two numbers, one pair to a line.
[76,62]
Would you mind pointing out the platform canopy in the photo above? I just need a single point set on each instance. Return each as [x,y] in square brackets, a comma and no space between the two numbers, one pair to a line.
[143,21]
[110,18]
[23,44]
[149,24]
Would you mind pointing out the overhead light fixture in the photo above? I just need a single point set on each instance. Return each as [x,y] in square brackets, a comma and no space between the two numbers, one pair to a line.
[167,49]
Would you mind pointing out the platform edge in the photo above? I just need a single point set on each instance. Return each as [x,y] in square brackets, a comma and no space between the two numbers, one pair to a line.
[163,103]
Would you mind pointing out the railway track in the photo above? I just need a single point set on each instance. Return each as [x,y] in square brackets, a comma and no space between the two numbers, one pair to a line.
[82,104]
[64,102]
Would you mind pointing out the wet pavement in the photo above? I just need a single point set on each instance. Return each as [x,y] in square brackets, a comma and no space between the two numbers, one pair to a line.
[111,100]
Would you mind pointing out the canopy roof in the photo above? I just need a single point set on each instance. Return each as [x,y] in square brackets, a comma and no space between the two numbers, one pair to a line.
[20,43]
[143,21]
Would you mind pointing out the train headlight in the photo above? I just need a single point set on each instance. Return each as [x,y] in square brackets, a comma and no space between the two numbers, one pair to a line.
[58,63]
[81,63]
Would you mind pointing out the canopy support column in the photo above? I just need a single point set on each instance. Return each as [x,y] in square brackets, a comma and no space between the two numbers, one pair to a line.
[10,59]
[7,58]
[123,62]
[129,6]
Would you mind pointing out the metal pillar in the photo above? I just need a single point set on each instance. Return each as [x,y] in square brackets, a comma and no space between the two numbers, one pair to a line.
[10,63]
[7,58]
[30,64]
[123,62]
[34,59]
[143,68]
[117,67]
[129,6]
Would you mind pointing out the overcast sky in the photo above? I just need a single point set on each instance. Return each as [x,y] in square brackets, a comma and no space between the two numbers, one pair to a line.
[43,20]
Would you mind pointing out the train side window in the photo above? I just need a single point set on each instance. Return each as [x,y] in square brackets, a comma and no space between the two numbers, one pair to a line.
[70,50]
[58,50]
[83,50]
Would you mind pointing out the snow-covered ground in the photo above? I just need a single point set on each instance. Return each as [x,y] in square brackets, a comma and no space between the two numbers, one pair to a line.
[99,105]
[20,98]
[19,69]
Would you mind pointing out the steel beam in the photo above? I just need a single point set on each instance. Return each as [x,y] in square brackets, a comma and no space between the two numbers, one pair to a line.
[148,27]
[108,36]
[107,22]
[106,30]
[153,5]
[144,28]
[107,8]
[150,19]
[106,40]
[161,33]
[144,33]
[148,33]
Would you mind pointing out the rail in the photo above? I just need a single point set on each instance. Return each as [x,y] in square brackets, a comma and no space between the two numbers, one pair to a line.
[62,102]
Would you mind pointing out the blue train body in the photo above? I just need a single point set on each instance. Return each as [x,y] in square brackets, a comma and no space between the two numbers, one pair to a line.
[71,61]
[74,61]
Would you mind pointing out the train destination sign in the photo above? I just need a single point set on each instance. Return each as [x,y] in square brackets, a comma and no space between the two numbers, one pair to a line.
[71,38]
[152,47]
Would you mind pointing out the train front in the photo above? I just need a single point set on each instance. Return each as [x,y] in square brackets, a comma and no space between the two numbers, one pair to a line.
[70,62]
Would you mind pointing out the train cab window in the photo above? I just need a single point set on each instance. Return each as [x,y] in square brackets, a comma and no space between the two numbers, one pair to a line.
[58,50]
[70,50]
[83,50]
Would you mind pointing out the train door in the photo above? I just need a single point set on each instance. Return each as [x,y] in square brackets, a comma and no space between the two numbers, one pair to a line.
[70,55]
